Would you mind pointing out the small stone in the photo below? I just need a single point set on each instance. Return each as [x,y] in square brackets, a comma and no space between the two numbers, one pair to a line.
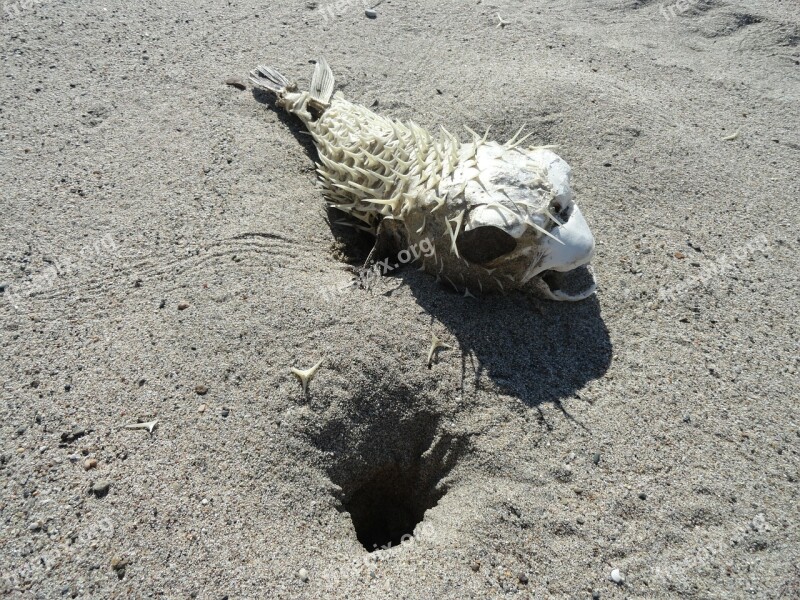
[617,577]
[596,458]
[303,575]
[679,255]
[236,82]
[595,595]
[90,463]
[642,496]
[100,488]
[687,418]
[118,563]
[225,412]
[201,390]
[34,526]
[475,566]
[371,13]
[201,409]
[183,305]
[523,579]
[204,501]
[563,474]
[75,433]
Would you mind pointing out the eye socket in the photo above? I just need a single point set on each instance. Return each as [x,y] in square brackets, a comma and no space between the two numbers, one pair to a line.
[485,244]
[560,210]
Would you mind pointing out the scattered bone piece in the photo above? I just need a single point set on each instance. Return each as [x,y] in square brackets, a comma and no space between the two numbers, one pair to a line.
[306,376]
[731,137]
[436,343]
[150,425]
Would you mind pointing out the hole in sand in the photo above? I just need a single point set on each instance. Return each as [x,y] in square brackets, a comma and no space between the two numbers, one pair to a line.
[391,465]
[389,504]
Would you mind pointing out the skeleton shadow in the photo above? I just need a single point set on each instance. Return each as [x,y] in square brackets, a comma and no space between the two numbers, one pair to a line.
[535,350]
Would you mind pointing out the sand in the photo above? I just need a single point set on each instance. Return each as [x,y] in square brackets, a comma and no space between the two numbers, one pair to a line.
[165,255]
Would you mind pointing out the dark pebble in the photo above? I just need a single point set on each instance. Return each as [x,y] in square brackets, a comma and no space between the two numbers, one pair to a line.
[225,412]
[76,433]
[200,390]
[236,82]
[100,488]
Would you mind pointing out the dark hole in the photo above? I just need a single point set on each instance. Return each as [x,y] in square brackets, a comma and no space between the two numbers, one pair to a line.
[389,505]
[352,245]
[484,244]
[315,111]
[390,469]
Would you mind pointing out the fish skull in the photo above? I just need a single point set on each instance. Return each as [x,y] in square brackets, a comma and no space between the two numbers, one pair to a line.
[512,219]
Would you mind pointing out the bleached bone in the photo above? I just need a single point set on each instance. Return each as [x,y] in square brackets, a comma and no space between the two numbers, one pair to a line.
[499,216]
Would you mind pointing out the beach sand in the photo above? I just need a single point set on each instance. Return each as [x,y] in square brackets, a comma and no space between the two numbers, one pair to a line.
[166,256]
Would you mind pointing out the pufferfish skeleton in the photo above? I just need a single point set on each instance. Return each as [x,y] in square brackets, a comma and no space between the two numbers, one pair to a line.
[498,216]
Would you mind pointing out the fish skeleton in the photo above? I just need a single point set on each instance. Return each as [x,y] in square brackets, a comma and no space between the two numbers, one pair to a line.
[497,216]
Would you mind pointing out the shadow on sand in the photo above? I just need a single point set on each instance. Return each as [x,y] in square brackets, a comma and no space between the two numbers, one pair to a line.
[536,350]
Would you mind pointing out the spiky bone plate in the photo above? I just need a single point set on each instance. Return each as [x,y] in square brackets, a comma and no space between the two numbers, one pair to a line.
[498,216]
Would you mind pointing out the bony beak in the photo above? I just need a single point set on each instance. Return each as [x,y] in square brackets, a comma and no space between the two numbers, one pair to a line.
[569,246]
[576,247]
